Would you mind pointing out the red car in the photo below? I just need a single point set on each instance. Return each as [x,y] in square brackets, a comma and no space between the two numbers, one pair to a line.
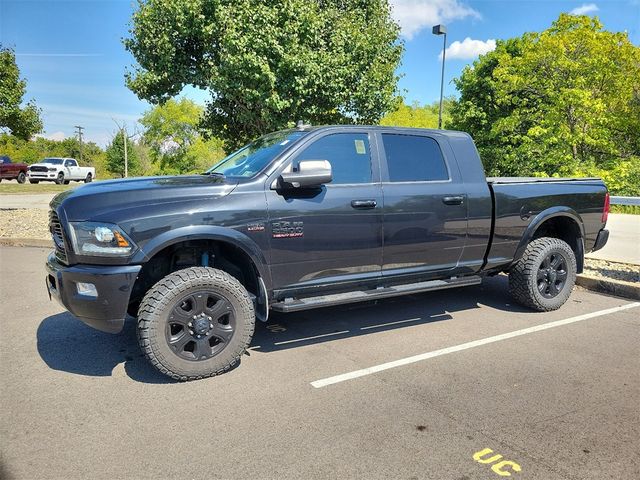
[12,171]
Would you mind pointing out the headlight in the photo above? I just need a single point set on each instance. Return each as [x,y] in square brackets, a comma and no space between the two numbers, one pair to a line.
[101,239]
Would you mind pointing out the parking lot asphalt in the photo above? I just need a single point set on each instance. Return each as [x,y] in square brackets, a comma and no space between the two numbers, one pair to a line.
[555,402]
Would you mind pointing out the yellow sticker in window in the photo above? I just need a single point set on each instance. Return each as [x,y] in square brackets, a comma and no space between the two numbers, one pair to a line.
[360,148]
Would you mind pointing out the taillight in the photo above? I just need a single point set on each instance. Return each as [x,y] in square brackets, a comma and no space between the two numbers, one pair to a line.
[607,208]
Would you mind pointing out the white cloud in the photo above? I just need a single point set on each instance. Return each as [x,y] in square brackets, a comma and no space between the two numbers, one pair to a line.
[414,15]
[469,48]
[585,9]
[57,136]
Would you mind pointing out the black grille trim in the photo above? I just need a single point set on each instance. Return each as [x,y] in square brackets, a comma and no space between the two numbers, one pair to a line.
[55,227]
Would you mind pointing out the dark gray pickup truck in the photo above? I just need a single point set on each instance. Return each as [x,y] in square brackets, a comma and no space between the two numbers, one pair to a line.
[307,218]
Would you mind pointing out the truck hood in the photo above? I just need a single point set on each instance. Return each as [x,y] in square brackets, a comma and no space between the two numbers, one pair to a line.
[117,200]
[44,165]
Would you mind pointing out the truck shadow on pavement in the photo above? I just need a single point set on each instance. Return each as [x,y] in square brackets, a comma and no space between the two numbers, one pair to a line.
[66,344]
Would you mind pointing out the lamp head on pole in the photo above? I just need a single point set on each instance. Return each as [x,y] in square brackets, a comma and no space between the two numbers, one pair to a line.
[439,30]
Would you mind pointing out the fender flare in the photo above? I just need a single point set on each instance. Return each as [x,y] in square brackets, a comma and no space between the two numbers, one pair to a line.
[543,216]
[207,232]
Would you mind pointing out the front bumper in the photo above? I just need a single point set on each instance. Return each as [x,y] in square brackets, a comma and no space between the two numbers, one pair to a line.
[42,175]
[107,310]
[601,239]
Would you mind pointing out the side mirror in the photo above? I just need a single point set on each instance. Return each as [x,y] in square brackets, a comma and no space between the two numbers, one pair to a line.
[308,174]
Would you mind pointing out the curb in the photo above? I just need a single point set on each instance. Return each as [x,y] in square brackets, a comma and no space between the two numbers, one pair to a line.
[609,286]
[26,242]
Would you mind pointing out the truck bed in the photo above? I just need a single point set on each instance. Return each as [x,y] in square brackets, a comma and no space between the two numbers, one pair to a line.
[507,180]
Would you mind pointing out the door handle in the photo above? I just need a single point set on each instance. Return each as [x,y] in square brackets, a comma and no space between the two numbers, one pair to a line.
[364,204]
[453,200]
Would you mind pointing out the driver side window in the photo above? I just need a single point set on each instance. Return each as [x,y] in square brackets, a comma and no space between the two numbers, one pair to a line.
[348,154]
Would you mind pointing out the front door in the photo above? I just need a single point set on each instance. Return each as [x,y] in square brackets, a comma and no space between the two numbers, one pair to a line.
[425,206]
[332,233]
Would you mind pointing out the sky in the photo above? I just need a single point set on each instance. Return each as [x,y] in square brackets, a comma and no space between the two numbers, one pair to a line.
[71,52]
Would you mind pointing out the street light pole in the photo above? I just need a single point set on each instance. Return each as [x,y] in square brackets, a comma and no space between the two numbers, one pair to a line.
[441,30]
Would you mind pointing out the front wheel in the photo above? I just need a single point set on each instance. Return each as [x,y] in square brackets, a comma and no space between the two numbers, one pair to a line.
[195,323]
[545,275]
[60,178]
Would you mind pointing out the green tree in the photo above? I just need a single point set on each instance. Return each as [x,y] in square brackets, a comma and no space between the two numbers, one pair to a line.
[116,159]
[416,115]
[171,132]
[268,64]
[560,102]
[23,122]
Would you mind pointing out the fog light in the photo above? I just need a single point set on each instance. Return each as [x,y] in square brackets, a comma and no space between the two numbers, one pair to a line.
[87,289]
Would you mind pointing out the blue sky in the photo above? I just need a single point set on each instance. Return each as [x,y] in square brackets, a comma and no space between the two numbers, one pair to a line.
[71,53]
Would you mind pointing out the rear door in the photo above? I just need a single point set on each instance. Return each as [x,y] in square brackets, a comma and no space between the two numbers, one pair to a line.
[331,234]
[425,204]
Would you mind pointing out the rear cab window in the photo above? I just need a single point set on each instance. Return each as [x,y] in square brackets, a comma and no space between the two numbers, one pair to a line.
[414,158]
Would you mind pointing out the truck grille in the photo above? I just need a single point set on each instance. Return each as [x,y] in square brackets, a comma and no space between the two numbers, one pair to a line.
[58,238]
[39,169]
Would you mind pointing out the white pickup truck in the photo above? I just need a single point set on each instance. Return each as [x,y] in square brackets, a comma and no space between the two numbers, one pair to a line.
[60,170]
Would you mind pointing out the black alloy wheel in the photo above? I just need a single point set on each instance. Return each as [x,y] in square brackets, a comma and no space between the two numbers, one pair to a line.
[195,323]
[200,326]
[543,278]
[552,275]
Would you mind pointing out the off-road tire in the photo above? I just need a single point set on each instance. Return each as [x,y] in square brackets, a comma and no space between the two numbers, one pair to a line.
[159,302]
[22,177]
[523,276]
[60,178]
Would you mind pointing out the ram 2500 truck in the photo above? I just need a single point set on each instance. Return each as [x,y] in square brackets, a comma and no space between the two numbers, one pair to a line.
[307,218]
[60,170]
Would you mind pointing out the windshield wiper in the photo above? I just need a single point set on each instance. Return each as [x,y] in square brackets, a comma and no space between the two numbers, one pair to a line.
[214,174]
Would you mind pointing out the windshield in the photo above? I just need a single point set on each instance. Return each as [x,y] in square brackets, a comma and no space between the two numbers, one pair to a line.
[53,161]
[252,158]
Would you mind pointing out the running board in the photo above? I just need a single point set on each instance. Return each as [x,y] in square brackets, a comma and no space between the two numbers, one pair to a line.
[294,305]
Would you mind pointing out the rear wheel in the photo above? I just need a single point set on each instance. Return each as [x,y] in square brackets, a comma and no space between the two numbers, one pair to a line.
[22,177]
[195,323]
[545,275]
[60,178]
[88,178]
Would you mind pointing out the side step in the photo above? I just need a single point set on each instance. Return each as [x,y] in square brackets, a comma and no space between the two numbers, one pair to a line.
[294,305]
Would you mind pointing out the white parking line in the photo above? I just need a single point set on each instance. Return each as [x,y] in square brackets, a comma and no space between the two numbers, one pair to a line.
[391,323]
[464,346]
[311,338]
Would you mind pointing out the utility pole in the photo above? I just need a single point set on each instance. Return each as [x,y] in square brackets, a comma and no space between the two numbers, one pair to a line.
[79,132]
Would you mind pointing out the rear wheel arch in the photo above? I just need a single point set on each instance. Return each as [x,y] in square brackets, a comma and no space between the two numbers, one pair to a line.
[558,222]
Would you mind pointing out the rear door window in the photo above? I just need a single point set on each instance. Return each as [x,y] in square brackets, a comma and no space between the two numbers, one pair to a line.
[413,158]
